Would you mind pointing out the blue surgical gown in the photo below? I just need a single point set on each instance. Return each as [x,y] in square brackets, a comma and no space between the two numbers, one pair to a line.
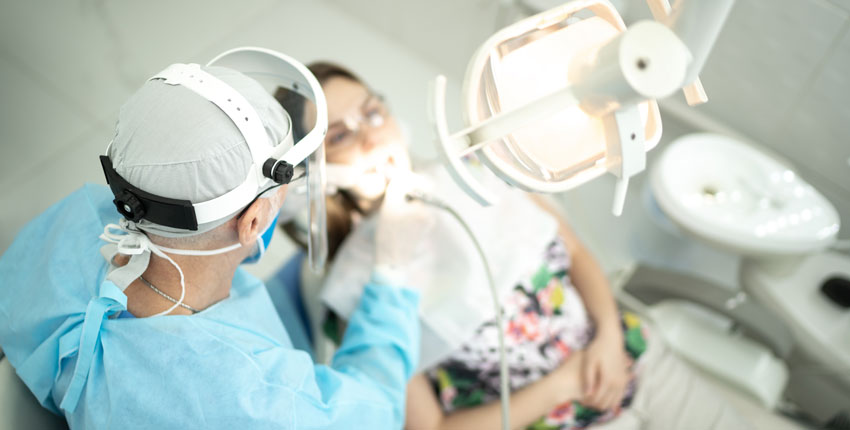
[229,366]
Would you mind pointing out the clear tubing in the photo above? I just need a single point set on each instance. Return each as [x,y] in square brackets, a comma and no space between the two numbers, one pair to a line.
[504,386]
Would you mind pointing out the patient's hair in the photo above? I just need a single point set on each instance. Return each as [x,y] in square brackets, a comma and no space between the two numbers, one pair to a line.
[340,206]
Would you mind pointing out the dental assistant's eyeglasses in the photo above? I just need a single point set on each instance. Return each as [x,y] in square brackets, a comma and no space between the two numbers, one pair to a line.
[343,134]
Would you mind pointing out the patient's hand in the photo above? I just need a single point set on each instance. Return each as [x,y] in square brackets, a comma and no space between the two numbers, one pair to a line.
[605,371]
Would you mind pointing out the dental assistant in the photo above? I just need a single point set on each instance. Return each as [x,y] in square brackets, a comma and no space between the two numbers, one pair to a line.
[143,318]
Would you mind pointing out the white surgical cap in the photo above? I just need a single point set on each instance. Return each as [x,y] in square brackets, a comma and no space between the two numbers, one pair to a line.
[174,143]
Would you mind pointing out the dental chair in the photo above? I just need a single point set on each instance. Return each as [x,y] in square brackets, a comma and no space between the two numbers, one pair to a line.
[739,346]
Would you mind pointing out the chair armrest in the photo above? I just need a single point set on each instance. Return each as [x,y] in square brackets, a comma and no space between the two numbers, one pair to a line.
[652,285]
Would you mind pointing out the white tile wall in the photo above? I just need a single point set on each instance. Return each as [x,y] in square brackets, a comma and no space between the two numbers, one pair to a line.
[817,130]
[57,175]
[446,32]
[764,60]
[93,54]
[844,4]
[35,124]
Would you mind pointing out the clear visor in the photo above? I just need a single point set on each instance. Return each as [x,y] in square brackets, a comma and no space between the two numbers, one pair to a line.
[274,70]
[317,244]
[551,152]
[305,209]
[305,199]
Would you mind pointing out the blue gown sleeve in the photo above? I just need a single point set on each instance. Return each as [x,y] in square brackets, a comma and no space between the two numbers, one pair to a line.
[377,357]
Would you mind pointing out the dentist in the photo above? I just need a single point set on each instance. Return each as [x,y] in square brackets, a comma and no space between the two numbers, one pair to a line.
[143,318]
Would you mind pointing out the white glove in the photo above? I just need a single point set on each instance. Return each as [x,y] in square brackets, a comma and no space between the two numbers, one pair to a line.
[402,226]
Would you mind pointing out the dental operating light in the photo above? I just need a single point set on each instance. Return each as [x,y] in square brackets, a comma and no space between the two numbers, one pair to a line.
[558,99]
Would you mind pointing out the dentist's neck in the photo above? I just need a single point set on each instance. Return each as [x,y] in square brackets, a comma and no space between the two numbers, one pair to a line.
[208,279]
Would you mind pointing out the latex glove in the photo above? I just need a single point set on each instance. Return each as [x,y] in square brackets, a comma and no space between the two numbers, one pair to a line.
[402,226]
[605,372]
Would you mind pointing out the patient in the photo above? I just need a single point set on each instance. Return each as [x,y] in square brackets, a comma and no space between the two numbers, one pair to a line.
[574,361]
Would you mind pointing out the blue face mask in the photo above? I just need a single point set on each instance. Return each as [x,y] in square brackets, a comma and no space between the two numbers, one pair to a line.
[262,243]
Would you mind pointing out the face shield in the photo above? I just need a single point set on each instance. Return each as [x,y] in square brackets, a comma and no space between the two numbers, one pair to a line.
[562,97]
[273,163]
[272,70]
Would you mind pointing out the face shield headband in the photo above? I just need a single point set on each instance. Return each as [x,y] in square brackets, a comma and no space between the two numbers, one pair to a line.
[272,165]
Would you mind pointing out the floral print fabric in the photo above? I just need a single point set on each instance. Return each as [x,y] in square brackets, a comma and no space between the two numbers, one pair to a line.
[545,321]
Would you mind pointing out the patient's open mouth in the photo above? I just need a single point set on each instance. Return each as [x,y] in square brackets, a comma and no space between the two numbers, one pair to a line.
[381,166]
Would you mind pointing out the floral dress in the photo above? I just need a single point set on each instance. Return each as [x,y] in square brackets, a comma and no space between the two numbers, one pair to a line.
[545,321]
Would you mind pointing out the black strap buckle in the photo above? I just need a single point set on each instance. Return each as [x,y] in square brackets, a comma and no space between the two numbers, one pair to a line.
[278,170]
[129,206]
[136,204]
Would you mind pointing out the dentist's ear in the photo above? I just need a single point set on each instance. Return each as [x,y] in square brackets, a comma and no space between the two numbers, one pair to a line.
[254,220]
[256,217]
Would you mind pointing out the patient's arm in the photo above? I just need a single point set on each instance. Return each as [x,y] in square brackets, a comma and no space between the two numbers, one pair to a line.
[527,405]
[586,274]
[605,375]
